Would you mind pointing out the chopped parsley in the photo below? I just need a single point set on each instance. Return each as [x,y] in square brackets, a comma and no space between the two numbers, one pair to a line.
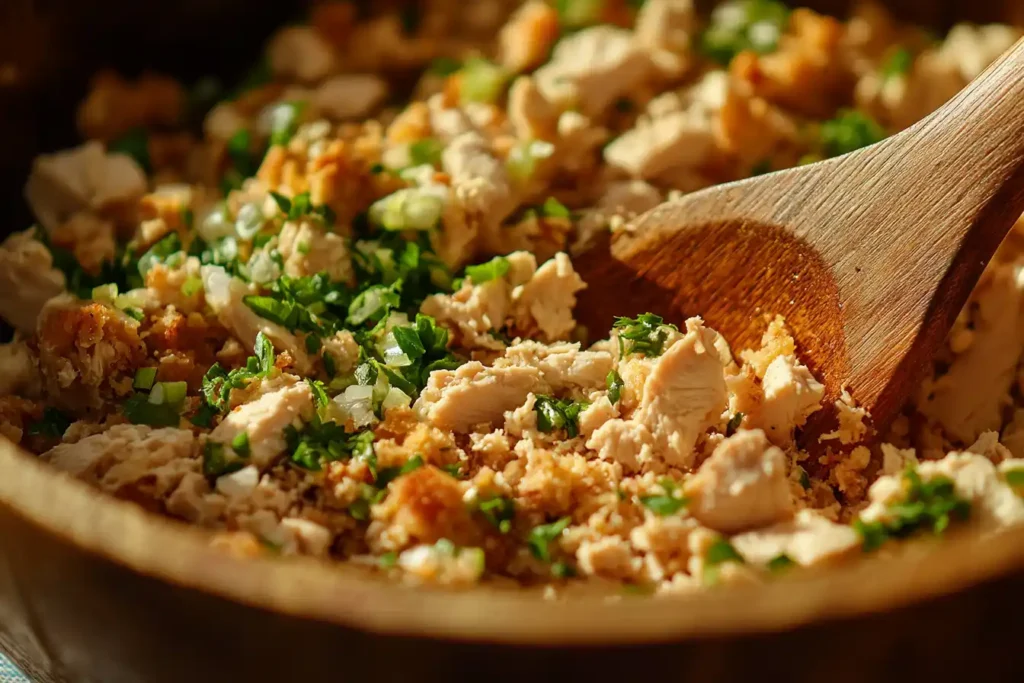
[301,205]
[928,506]
[541,537]
[646,334]
[53,423]
[898,63]
[218,383]
[499,511]
[426,151]
[558,413]
[720,552]
[665,504]
[780,563]
[218,460]
[491,270]
[741,25]
[386,475]
[734,423]
[319,442]
[615,384]
[848,131]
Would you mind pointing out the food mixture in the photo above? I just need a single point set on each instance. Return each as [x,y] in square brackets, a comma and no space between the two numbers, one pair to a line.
[328,310]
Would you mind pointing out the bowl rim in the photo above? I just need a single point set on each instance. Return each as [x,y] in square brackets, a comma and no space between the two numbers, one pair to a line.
[174,552]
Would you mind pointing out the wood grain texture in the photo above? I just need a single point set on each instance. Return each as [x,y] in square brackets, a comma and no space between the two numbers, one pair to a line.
[869,256]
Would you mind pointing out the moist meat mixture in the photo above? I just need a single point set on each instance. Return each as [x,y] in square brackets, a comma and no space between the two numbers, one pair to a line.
[323,311]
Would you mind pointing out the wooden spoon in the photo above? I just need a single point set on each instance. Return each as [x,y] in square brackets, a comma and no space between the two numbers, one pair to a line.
[869,256]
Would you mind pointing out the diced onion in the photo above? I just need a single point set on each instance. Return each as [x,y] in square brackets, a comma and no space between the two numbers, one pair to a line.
[105,293]
[396,398]
[262,268]
[393,354]
[217,285]
[408,209]
[249,221]
[215,224]
[357,403]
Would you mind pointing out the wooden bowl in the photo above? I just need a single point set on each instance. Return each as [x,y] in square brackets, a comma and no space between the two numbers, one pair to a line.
[94,589]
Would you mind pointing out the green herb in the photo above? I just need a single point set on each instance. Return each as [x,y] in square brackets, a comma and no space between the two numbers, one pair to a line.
[302,205]
[646,334]
[444,66]
[283,313]
[720,552]
[144,379]
[557,413]
[615,385]
[454,469]
[52,424]
[482,81]
[217,461]
[849,131]
[192,285]
[240,445]
[491,270]
[579,13]
[552,208]
[134,314]
[541,537]
[374,303]
[218,383]
[805,481]
[928,506]
[562,570]
[388,474]
[320,398]
[499,511]
[388,560]
[140,411]
[134,143]
[321,442]
[780,563]
[744,25]
[285,119]
[734,423]
[160,252]
[898,63]
[426,151]
[665,504]
[1014,478]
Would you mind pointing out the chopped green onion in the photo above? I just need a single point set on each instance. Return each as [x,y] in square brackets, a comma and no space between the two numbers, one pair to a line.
[410,208]
[192,285]
[734,423]
[1014,478]
[482,81]
[579,13]
[425,151]
[667,503]
[171,393]
[744,25]
[552,208]
[523,159]
[898,63]
[780,563]
[240,444]
[541,537]
[138,409]
[849,131]
[284,121]
[105,293]
[499,511]
[491,270]
[615,386]
[144,378]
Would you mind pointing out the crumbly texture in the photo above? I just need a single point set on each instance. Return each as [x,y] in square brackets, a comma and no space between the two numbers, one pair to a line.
[321,323]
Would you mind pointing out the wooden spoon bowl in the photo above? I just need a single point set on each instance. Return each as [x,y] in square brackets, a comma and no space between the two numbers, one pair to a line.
[869,256]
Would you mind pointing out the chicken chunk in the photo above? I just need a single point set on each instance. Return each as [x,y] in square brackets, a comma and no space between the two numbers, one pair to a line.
[680,139]
[308,249]
[685,393]
[593,68]
[349,96]
[791,394]
[667,29]
[133,461]
[88,353]
[226,294]
[546,301]
[808,539]
[301,53]
[472,395]
[27,279]
[264,420]
[561,365]
[743,485]
[19,371]
[85,177]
